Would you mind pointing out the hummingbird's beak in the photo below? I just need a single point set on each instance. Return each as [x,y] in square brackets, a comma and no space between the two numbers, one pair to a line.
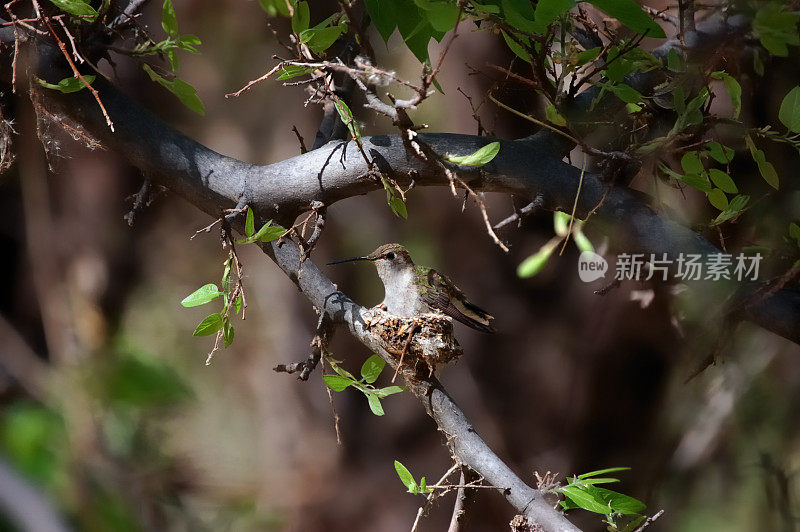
[350,260]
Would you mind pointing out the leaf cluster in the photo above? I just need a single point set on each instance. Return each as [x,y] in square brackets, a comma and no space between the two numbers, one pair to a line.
[370,371]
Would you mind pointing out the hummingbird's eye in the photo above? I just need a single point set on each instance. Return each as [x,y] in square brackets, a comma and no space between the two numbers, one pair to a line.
[390,255]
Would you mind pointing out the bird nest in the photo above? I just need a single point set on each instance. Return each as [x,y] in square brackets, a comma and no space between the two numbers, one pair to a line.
[418,343]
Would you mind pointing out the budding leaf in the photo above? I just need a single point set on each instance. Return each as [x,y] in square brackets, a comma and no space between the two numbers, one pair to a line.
[481,157]
[208,326]
[68,85]
[201,296]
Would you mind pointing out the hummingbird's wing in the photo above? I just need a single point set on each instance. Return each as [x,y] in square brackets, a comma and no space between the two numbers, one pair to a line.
[442,295]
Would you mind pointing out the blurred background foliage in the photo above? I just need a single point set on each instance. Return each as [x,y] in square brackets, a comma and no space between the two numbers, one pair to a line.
[106,404]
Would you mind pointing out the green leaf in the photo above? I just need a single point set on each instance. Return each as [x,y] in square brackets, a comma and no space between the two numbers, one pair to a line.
[516,47]
[237,304]
[441,15]
[375,404]
[626,93]
[591,474]
[517,20]
[734,208]
[553,115]
[320,39]
[389,390]
[536,262]
[581,241]
[337,383]
[292,71]
[789,113]
[584,500]
[547,11]
[275,7]
[700,182]
[77,8]
[168,19]
[718,199]
[481,157]
[372,368]
[227,333]
[405,477]
[267,233]
[765,168]
[723,181]
[346,116]
[588,55]
[561,223]
[769,174]
[301,18]
[618,502]
[423,486]
[343,372]
[201,296]
[734,91]
[630,14]
[675,61]
[210,325]
[249,223]
[383,17]
[776,28]
[185,92]
[68,85]
[690,162]
[721,154]
[398,207]
[794,231]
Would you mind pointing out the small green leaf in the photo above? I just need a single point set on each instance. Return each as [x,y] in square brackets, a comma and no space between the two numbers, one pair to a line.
[691,164]
[591,474]
[618,502]
[586,56]
[343,372]
[561,223]
[776,28]
[77,8]
[237,304]
[769,174]
[346,116]
[267,233]
[626,93]
[581,241]
[734,208]
[789,113]
[723,181]
[185,92]
[382,14]
[375,404]
[547,11]
[292,71]
[168,19]
[209,325]
[405,477]
[320,39]
[553,115]
[734,91]
[301,18]
[516,47]
[481,157]
[389,390]
[275,7]
[372,368]
[630,14]
[337,383]
[718,199]
[794,231]
[675,60]
[584,500]
[201,296]
[249,223]
[227,333]
[536,262]
[423,486]
[398,207]
[68,85]
[721,154]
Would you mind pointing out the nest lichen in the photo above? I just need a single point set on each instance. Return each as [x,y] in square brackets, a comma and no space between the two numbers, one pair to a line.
[422,341]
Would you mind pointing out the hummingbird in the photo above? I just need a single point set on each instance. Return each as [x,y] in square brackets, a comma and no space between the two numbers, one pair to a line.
[411,289]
